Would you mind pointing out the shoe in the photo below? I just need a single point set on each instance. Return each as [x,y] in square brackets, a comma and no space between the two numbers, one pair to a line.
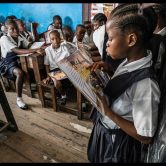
[21,104]
[62,101]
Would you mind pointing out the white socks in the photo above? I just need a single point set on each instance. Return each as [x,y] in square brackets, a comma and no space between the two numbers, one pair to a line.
[20,102]
[64,97]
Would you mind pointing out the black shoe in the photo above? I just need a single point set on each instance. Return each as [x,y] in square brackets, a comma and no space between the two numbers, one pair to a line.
[25,107]
[62,101]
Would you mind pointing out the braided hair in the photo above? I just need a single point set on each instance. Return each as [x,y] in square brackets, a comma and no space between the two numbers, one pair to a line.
[149,14]
[144,24]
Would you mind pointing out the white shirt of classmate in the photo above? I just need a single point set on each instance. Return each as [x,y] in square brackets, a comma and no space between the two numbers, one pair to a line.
[139,103]
[88,39]
[55,55]
[98,38]
[7,43]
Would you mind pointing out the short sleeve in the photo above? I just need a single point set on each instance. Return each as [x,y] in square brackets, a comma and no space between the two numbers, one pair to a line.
[145,107]
[7,44]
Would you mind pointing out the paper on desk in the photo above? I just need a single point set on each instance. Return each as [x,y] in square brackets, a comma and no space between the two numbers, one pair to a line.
[58,75]
[37,45]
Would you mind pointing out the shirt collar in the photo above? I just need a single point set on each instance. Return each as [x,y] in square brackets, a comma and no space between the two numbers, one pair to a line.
[125,67]
[57,50]
[162,32]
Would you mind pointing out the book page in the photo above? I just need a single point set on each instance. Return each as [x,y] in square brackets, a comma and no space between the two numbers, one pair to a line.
[76,68]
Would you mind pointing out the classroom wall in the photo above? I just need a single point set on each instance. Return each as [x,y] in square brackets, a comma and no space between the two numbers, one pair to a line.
[42,13]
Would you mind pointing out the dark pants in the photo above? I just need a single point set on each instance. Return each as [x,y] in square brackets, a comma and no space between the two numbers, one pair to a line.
[103,149]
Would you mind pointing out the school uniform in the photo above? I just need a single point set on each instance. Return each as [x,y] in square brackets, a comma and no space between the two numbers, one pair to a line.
[88,39]
[133,93]
[55,55]
[10,58]
[25,34]
[71,47]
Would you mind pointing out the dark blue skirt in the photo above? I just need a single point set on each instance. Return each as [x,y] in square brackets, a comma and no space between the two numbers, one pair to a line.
[113,146]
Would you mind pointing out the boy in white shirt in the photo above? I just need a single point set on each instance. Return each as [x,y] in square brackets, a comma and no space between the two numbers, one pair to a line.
[54,53]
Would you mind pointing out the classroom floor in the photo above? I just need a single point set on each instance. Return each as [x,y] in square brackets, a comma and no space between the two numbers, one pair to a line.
[44,135]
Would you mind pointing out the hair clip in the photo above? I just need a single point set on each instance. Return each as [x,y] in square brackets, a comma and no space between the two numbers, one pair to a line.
[140,9]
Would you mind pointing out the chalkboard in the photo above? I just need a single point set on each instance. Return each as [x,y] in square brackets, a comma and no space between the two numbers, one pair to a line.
[71,13]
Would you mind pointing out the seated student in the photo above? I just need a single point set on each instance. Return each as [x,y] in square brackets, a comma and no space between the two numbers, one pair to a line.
[68,38]
[88,37]
[11,45]
[56,25]
[79,34]
[67,33]
[78,41]
[54,53]
[12,17]
[23,32]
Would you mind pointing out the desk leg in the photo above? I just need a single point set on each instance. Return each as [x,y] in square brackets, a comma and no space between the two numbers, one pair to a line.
[23,61]
[79,104]
[36,68]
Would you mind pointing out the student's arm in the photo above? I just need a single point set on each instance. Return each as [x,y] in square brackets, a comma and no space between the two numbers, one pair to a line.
[48,78]
[144,110]
[26,51]
[125,125]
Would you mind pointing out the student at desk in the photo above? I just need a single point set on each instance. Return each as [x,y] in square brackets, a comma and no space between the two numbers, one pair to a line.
[54,53]
[12,45]
[23,32]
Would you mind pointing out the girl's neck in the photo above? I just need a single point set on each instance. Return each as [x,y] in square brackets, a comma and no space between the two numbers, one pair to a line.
[136,55]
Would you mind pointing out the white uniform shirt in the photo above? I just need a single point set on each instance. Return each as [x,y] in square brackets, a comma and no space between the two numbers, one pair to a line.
[98,38]
[55,55]
[88,39]
[7,43]
[139,103]
[162,32]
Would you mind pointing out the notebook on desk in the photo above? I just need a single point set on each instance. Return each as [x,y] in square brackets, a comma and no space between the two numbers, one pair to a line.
[34,46]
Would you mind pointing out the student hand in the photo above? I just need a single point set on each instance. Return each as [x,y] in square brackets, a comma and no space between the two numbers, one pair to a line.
[99,65]
[40,51]
[46,80]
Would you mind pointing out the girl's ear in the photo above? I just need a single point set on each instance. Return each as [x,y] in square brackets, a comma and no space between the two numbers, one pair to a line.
[132,39]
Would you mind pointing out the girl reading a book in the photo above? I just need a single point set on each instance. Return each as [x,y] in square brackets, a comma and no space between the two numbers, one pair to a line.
[129,105]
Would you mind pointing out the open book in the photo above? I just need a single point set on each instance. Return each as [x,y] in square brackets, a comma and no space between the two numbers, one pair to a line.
[76,68]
